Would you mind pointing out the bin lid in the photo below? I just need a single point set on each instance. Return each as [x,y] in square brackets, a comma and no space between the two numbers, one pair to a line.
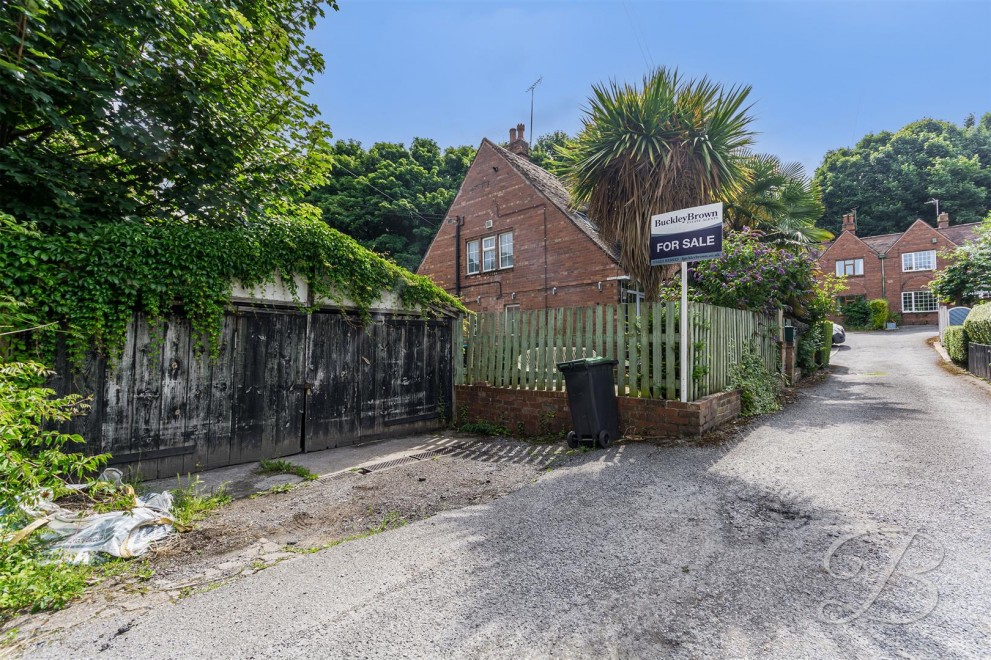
[583,363]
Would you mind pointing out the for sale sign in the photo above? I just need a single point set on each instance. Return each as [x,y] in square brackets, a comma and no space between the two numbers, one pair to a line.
[687,235]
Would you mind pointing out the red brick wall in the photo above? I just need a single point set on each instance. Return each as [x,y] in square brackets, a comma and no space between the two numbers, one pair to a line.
[529,412]
[917,238]
[848,246]
[494,191]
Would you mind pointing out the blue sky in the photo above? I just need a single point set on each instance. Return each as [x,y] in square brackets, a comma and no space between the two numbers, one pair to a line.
[823,73]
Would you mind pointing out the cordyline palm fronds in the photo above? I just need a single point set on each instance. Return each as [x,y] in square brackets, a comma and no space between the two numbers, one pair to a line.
[776,198]
[642,151]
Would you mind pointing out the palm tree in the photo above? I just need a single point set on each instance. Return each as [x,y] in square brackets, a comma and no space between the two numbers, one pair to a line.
[642,151]
[778,199]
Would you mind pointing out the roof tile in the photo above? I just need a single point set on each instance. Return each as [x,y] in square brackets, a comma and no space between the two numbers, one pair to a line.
[553,189]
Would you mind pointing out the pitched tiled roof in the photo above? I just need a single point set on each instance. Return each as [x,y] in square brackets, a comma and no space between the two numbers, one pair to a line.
[553,189]
[960,234]
[881,243]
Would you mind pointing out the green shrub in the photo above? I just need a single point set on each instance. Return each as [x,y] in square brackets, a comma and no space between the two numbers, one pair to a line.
[32,458]
[827,344]
[978,325]
[759,388]
[31,447]
[809,344]
[955,342]
[31,583]
[879,313]
[857,313]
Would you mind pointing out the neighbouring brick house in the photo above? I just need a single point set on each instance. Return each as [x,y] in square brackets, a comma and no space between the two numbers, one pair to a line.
[896,267]
[512,241]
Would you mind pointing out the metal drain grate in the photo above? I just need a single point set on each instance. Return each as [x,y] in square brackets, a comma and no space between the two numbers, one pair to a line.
[412,458]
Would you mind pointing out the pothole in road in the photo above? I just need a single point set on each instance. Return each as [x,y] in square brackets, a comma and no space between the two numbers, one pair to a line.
[752,513]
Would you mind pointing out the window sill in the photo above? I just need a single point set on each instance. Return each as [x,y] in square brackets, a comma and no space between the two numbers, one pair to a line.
[489,272]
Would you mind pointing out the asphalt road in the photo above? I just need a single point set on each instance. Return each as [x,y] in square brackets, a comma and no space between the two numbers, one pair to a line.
[853,524]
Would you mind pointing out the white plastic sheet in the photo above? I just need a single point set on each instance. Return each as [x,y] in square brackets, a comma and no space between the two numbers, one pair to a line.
[84,539]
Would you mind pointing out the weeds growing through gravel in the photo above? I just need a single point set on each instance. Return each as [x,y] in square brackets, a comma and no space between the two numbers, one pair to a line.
[759,388]
[189,505]
[278,489]
[482,427]
[278,466]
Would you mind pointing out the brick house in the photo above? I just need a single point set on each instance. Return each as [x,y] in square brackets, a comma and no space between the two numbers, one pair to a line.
[512,241]
[896,267]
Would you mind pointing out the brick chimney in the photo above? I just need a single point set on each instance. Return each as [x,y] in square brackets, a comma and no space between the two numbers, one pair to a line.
[943,221]
[517,142]
[850,222]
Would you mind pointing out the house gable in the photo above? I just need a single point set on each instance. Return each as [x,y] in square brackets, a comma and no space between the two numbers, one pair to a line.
[850,246]
[917,237]
[848,242]
[556,261]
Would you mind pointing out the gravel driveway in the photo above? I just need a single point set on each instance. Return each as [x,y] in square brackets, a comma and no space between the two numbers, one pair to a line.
[853,524]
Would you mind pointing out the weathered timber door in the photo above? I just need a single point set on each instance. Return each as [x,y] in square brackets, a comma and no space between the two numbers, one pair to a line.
[269,356]
[277,383]
[333,355]
[363,380]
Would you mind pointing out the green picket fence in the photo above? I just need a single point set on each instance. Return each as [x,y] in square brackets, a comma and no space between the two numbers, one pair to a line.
[521,349]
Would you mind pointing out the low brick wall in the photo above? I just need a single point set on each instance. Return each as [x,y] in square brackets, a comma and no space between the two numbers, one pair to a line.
[529,412]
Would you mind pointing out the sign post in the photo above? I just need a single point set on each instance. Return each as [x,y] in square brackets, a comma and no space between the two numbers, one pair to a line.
[681,236]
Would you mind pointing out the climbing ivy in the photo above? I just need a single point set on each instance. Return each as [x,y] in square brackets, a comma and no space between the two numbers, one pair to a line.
[90,281]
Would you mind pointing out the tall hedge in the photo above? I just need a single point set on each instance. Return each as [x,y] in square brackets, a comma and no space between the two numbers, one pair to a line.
[879,313]
[978,325]
[955,343]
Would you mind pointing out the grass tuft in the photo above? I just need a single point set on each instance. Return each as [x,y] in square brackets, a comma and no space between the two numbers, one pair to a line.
[189,506]
[279,466]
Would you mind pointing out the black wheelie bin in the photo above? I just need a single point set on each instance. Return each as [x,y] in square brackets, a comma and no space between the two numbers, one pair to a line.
[592,400]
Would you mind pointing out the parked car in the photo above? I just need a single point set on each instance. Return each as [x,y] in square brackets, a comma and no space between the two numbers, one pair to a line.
[839,334]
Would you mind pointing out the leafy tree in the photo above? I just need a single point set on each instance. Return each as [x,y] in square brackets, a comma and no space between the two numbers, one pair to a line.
[545,151]
[185,109]
[889,177]
[645,150]
[392,199]
[968,276]
[777,199]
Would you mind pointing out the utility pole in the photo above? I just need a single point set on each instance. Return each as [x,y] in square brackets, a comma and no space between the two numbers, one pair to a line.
[532,88]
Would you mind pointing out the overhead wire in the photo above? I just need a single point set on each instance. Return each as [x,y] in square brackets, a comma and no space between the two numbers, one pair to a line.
[640,38]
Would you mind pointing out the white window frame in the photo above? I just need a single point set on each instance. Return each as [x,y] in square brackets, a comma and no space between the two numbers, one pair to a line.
[487,250]
[857,265]
[913,302]
[468,256]
[911,264]
[506,259]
